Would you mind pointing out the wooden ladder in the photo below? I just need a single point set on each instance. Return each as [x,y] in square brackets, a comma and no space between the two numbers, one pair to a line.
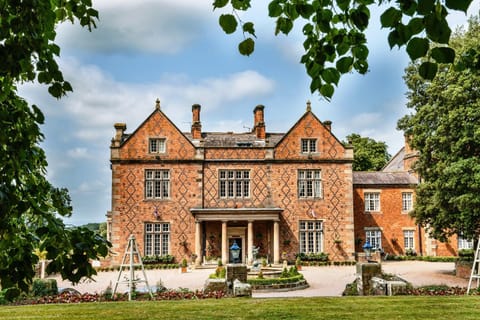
[475,268]
[135,260]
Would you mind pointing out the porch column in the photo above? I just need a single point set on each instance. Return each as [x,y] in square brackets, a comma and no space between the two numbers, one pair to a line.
[276,242]
[250,243]
[198,242]
[224,243]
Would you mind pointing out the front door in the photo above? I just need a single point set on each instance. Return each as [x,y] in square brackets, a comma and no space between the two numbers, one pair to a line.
[239,242]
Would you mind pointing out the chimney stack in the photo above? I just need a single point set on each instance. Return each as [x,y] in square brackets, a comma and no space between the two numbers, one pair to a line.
[259,122]
[119,130]
[328,124]
[196,125]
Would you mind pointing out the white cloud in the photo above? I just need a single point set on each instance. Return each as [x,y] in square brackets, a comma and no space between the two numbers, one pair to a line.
[160,26]
[79,153]
[98,100]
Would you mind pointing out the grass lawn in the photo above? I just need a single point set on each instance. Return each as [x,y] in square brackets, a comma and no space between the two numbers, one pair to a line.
[385,308]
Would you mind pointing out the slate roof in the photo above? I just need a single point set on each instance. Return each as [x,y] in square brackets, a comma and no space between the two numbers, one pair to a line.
[231,139]
[383,178]
[396,163]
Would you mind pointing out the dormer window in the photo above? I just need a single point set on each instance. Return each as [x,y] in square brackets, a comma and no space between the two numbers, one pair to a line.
[309,145]
[156,145]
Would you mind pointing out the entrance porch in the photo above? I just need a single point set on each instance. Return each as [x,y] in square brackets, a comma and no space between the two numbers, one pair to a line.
[216,229]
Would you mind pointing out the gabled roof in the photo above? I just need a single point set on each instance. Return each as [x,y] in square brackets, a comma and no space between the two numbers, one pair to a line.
[396,163]
[308,112]
[383,178]
[126,137]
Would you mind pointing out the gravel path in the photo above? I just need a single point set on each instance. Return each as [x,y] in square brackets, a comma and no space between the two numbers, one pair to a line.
[323,281]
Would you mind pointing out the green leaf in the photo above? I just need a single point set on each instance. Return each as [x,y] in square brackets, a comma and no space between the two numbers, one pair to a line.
[437,29]
[415,25]
[67,87]
[343,4]
[417,48]
[55,90]
[305,10]
[219,4]
[246,47]
[331,75]
[274,9]
[428,70]
[426,6]
[461,5]
[360,17]
[361,66]
[241,4]
[249,28]
[390,17]
[443,54]
[284,25]
[228,23]
[360,52]
[326,90]
[344,64]
[342,48]
[394,39]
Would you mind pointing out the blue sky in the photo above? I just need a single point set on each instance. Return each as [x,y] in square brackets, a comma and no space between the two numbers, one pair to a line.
[175,51]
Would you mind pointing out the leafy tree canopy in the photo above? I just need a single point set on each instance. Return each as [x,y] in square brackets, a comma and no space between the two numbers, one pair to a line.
[334,32]
[30,207]
[369,155]
[445,128]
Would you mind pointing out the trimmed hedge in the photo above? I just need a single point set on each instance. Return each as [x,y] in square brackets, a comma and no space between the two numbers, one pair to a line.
[270,281]
[421,258]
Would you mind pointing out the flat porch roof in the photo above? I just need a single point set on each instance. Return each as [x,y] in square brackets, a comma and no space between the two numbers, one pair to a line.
[236,214]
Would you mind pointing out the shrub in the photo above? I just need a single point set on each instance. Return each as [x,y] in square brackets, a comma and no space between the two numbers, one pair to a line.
[466,255]
[313,256]
[44,287]
[270,281]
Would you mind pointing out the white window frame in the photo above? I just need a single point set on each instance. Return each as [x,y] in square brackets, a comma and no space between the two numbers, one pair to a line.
[308,145]
[157,145]
[409,239]
[234,184]
[157,184]
[157,238]
[310,184]
[311,236]
[464,244]
[374,237]
[407,201]
[372,201]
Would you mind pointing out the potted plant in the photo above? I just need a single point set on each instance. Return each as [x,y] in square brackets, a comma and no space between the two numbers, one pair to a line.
[298,263]
[184,265]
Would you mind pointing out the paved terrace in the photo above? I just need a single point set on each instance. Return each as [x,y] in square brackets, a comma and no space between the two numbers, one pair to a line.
[323,281]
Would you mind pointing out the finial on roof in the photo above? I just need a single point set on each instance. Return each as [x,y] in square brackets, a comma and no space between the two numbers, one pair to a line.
[309,106]
[157,104]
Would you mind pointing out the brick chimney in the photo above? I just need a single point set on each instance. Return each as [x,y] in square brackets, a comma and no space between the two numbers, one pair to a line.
[259,122]
[119,131]
[196,124]
[328,124]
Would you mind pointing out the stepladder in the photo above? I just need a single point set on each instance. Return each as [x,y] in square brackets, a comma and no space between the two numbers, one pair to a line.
[475,274]
[131,262]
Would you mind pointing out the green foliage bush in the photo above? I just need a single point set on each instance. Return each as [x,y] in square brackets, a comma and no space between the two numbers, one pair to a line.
[44,287]
[270,281]
[313,256]
[466,255]
[156,259]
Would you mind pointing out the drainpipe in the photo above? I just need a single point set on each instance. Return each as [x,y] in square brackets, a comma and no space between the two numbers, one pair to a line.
[420,245]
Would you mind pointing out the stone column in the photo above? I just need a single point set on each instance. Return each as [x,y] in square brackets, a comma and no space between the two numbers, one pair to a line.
[250,243]
[224,243]
[198,242]
[276,242]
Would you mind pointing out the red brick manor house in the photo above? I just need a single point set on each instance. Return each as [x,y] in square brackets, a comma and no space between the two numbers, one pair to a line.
[196,193]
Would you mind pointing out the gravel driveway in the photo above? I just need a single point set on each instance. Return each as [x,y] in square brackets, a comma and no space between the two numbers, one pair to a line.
[323,281]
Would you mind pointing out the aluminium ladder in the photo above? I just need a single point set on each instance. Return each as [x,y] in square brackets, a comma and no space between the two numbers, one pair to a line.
[135,260]
[475,268]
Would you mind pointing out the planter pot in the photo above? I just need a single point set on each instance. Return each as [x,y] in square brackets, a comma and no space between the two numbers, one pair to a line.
[184,269]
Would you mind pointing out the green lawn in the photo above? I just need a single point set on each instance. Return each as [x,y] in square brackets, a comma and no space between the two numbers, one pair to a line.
[385,308]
